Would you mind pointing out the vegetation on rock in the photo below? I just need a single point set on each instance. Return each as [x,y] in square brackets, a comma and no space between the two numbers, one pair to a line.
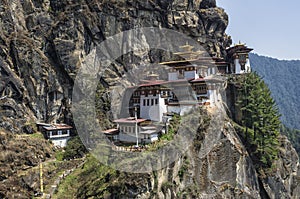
[282,77]
[260,118]
[74,149]
[172,128]
[95,180]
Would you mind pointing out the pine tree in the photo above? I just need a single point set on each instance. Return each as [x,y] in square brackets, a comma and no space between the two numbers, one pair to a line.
[260,117]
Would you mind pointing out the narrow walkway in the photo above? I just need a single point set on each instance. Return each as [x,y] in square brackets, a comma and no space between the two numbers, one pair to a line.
[59,179]
[129,149]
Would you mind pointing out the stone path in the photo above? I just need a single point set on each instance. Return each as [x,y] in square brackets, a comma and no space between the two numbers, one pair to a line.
[60,178]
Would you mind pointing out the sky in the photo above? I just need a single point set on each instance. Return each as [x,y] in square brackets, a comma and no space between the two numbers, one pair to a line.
[271,27]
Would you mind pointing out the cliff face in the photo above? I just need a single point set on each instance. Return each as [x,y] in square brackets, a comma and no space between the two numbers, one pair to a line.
[43,43]
[217,165]
[19,164]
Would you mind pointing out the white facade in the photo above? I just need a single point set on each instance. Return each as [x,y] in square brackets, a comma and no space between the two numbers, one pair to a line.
[172,76]
[127,133]
[152,107]
[60,142]
[203,72]
[58,133]
[239,58]
[213,93]
[128,138]
[128,129]
[148,137]
[191,74]
[210,95]
[248,66]
[211,71]
[238,68]
[59,137]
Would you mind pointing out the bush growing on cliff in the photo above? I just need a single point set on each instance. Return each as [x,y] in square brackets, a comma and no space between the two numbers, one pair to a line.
[74,149]
[261,119]
[172,129]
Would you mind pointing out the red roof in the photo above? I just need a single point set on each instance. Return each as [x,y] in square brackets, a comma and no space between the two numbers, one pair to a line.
[152,83]
[160,82]
[198,80]
[129,120]
[221,63]
[56,127]
[111,131]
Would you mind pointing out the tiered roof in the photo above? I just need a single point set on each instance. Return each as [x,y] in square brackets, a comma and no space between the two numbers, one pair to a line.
[238,48]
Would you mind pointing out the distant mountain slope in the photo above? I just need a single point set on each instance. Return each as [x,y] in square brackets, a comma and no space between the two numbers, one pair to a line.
[283,78]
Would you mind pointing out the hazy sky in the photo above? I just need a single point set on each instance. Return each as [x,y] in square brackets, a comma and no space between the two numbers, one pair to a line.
[271,27]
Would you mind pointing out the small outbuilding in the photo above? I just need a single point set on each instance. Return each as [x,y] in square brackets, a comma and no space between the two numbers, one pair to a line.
[59,134]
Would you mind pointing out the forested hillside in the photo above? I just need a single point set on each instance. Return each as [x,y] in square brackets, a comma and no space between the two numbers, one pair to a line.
[283,78]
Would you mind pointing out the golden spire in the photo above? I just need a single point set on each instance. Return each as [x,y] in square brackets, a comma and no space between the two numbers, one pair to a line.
[187,47]
[240,44]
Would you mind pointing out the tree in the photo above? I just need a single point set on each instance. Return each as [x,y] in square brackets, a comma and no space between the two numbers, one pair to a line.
[260,117]
[74,149]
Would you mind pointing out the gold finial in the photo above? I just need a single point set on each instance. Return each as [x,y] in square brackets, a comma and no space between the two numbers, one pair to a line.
[240,44]
[187,47]
[153,76]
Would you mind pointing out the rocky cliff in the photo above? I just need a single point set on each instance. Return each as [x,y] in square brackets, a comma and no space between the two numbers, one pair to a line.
[19,161]
[217,165]
[44,42]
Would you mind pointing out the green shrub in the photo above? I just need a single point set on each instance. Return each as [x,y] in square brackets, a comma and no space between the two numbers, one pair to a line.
[74,149]
[59,155]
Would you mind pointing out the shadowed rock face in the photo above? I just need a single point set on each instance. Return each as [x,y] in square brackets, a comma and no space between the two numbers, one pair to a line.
[43,43]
